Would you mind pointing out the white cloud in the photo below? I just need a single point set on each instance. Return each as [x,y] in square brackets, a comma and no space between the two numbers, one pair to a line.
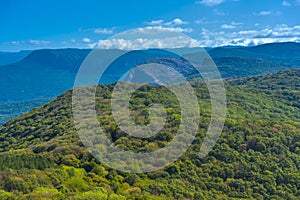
[104,31]
[236,23]
[155,22]
[150,37]
[228,26]
[176,22]
[217,12]
[279,33]
[200,21]
[205,21]
[286,3]
[264,13]
[15,42]
[29,42]
[92,45]
[210,2]
[68,42]
[232,25]
[39,42]
[160,22]
[146,43]
[166,29]
[86,40]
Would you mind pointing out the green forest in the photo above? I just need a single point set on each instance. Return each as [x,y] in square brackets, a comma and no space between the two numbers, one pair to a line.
[256,157]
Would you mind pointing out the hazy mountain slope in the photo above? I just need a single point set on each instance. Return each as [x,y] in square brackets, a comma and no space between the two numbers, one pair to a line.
[257,156]
[12,57]
[48,73]
[11,110]
[242,66]
[43,73]
[284,53]
[60,59]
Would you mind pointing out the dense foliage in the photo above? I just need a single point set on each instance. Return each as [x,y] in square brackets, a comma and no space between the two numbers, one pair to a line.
[257,156]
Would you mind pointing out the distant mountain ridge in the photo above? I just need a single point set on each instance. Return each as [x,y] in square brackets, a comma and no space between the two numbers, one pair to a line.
[12,57]
[284,53]
[49,72]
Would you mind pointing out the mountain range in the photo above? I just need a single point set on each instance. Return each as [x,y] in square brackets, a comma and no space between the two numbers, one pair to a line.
[44,74]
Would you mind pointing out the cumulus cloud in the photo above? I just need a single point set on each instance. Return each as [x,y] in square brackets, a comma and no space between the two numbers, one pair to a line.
[210,2]
[264,13]
[15,42]
[286,3]
[232,25]
[160,22]
[217,12]
[104,31]
[279,33]
[92,45]
[146,43]
[39,42]
[200,21]
[176,22]
[29,42]
[155,22]
[172,29]
[86,40]
[228,26]
[236,23]
[149,37]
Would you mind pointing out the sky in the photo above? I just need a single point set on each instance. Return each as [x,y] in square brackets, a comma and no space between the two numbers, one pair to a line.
[32,24]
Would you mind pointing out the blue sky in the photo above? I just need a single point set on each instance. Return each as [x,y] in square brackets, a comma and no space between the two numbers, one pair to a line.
[31,24]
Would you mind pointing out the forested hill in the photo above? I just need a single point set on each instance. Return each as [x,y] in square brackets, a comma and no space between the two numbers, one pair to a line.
[284,86]
[257,156]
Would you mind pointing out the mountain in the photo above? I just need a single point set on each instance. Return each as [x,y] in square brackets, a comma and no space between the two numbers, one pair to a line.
[42,74]
[256,157]
[243,66]
[12,57]
[58,59]
[47,73]
[283,53]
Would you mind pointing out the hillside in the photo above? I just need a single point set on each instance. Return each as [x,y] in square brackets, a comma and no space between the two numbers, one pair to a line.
[286,90]
[257,156]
